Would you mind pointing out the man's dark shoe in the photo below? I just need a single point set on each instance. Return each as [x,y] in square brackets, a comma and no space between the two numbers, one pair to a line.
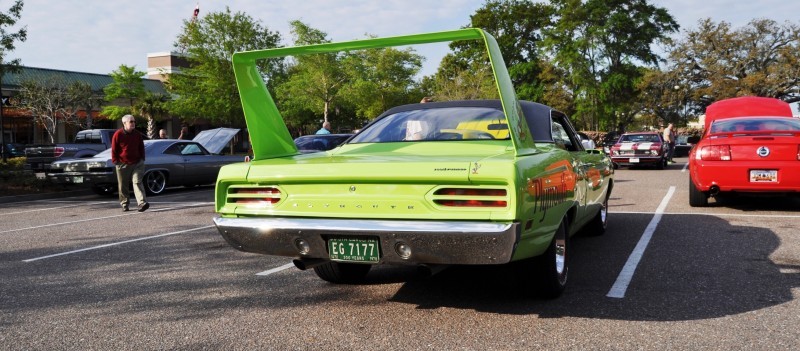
[125,209]
[144,206]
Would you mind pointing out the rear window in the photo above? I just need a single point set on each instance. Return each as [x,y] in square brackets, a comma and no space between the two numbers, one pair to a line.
[437,124]
[762,124]
[640,138]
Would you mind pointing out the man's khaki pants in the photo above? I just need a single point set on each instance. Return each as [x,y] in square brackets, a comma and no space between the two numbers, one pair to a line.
[125,174]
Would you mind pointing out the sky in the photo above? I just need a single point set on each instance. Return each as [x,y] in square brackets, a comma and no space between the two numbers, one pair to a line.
[97,36]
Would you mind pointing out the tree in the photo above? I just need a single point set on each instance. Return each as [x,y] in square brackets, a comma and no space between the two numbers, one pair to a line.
[82,97]
[601,45]
[716,62]
[379,79]
[7,40]
[48,101]
[127,86]
[314,81]
[207,88]
[152,106]
[516,25]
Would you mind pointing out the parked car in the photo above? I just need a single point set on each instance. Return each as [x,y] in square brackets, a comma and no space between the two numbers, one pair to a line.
[86,143]
[429,184]
[13,149]
[750,145]
[642,148]
[168,162]
[683,144]
[319,142]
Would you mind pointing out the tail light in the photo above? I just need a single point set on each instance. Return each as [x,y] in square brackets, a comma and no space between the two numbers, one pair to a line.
[715,153]
[259,196]
[58,151]
[471,197]
[798,152]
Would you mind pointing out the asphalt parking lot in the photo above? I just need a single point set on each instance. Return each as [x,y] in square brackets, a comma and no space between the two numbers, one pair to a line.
[79,274]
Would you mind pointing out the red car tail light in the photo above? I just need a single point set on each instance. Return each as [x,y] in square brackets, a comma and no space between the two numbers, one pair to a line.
[798,152]
[254,195]
[471,197]
[58,151]
[716,153]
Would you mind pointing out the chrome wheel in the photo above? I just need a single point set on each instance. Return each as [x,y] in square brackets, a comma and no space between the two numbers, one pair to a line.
[155,182]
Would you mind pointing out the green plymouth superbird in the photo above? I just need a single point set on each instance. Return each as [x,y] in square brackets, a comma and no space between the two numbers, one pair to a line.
[432,184]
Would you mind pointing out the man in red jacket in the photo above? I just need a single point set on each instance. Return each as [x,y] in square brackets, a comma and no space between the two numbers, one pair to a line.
[127,153]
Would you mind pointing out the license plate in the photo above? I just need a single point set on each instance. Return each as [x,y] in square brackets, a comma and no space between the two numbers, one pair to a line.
[764,175]
[77,180]
[634,160]
[354,249]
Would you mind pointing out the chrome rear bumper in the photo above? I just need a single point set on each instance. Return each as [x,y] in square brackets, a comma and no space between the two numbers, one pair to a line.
[431,242]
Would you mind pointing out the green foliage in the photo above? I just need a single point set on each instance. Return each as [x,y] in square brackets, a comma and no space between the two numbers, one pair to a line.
[716,62]
[516,25]
[599,45]
[207,88]
[7,39]
[152,106]
[127,86]
[314,81]
[379,79]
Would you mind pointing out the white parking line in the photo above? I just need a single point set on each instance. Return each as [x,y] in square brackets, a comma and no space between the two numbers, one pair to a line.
[685,167]
[714,214]
[54,208]
[276,270]
[625,276]
[106,217]
[114,244]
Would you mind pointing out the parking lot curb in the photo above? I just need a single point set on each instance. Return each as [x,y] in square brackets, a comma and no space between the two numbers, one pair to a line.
[44,196]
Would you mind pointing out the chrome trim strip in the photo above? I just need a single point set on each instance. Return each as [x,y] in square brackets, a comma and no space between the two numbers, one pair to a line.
[432,242]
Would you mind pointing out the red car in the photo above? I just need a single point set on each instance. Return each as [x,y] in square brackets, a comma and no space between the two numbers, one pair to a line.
[750,145]
[642,148]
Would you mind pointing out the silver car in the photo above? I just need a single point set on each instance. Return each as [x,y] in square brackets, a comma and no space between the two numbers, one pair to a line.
[168,162]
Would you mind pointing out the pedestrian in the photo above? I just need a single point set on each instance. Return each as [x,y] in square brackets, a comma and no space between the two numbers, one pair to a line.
[326,128]
[162,134]
[127,154]
[184,133]
[669,138]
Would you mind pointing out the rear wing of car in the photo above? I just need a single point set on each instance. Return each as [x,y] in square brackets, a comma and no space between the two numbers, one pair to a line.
[274,140]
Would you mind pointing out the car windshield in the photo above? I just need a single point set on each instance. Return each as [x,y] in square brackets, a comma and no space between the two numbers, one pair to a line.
[449,123]
[640,138]
[760,124]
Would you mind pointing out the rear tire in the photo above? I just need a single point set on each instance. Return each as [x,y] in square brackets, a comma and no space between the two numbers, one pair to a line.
[697,198]
[342,273]
[550,270]
[597,226]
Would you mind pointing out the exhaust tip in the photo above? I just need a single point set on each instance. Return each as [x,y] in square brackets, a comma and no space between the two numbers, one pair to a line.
[304,264]
[714,190]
